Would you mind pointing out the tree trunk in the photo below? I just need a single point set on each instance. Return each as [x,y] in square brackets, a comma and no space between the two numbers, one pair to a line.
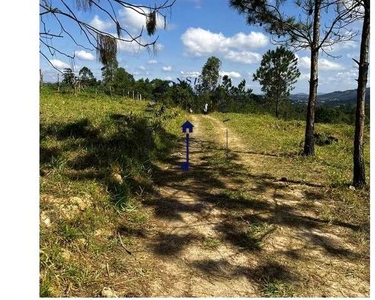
[313,88]
[277,110]
[359,176]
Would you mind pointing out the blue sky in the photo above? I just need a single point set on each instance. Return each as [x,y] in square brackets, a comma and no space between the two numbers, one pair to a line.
[196,30]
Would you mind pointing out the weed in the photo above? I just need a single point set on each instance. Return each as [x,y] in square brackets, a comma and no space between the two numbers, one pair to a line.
[69,233]
[45,289]
[211,243]
[277,289]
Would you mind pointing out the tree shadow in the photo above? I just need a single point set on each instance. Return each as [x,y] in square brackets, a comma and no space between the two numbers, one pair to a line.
[238,237]
[121,146]
[329,246]
[205,176]
[171,244]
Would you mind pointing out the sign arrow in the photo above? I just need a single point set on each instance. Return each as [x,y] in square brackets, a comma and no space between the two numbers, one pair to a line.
[187,126]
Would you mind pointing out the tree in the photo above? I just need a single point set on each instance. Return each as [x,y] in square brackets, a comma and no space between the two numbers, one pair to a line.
[68,77]
[210,74]
[86,77]
[227,83]
[305,32]
[59,19]
[277,73]
[122,80]
[359,176]
[108,74]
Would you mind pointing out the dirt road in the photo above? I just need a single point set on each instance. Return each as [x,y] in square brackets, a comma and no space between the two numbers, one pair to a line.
[225,229]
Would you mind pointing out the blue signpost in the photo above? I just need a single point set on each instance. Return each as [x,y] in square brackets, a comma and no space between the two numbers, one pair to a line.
[187,128]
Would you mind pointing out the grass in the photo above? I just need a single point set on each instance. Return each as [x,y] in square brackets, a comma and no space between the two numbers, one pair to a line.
[99,158]
[264,134]
[277,145]
[96,160]
[210,243]
[277,289]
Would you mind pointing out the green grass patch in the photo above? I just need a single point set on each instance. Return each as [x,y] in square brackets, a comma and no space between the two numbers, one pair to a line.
[210,243]
[101,150]
[277,289]
[283,141]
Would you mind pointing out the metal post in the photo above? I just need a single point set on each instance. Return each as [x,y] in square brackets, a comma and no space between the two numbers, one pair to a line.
[187,148]
[227,142]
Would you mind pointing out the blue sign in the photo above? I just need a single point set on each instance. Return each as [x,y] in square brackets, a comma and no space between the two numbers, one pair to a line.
[187,125]
[186,128]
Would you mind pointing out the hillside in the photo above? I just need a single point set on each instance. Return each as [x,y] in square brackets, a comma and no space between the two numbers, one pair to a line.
[119,218]
[334,98]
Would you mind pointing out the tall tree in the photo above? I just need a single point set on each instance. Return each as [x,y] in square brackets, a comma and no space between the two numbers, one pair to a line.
[277,74]
[210,74]
[359,176]
[122,81]
[59,19]
[86,76]
[108,74]
[304,32]
[68,77]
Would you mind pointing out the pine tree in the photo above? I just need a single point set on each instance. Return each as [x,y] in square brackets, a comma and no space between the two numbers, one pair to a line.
[277,74]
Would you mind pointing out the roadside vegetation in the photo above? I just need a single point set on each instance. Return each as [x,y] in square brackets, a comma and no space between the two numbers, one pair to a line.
[96,158]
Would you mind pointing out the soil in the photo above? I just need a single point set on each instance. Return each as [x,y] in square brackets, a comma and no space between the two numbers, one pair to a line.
[232,231]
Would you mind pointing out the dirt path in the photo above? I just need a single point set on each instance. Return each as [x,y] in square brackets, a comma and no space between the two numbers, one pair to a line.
[224,229]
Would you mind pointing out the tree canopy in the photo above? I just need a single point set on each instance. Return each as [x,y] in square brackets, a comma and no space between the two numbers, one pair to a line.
[277,74]
[210,74]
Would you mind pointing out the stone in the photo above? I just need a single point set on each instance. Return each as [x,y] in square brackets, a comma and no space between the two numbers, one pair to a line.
[108,293]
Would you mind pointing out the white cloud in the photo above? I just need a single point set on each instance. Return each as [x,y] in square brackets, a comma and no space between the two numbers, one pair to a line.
[248,41]
[193,74]
[99,24]
[167,69]
[231,74]
[58,64]
[134,20]
[136,48]
[142,68]
[168,78]
[246,57]
[199,42]
[324,64]
[303,62]
[152,62]
[128,46]
[347,45]
[81,54]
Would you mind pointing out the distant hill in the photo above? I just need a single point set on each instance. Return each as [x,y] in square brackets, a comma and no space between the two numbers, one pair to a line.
[334,98]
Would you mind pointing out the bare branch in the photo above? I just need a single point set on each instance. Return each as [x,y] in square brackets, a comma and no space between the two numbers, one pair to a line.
[92,34]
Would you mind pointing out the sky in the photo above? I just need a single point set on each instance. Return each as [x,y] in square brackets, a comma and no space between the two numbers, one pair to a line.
[196,30]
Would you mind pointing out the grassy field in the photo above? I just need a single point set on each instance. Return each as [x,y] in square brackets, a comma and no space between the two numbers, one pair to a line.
[96,156]
[100,158]
[279,144]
